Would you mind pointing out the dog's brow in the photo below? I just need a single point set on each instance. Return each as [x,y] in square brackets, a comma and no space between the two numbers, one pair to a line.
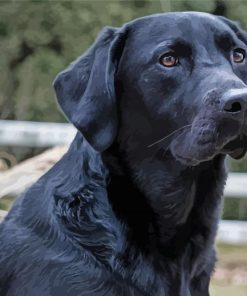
[224,40]
[179,44]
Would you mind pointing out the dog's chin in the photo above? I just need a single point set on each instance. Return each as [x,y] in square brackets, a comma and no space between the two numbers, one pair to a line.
[192,154]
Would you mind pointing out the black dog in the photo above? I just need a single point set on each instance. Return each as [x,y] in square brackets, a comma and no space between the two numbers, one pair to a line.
[133,207]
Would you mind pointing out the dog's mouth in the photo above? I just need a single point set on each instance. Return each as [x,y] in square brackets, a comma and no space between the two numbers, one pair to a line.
[236,148]
[208,138]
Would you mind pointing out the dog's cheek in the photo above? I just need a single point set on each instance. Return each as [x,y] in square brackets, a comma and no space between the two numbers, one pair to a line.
[156,88]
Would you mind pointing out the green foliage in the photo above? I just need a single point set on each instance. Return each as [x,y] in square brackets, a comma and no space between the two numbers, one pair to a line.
[191,5]
[235,209]
[238,165]
[6,202]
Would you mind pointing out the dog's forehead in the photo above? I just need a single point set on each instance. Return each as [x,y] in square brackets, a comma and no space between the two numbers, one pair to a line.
[156,28]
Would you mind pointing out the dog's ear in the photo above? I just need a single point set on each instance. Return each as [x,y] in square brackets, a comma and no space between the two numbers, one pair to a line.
[85,90]
[235,26]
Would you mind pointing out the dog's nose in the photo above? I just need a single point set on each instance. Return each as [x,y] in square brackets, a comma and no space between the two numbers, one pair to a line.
[234,101]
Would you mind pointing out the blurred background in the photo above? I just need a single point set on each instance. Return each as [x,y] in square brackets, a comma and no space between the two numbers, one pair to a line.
[40,38]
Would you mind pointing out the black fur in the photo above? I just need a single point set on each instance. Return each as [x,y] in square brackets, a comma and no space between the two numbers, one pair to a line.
[123,213]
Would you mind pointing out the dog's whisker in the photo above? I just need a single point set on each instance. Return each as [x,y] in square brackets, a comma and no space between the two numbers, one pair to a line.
[171,134]
[166,150]
[168,147]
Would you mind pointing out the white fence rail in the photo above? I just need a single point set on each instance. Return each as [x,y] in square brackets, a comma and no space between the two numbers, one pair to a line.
[35,134]
[236,185]
[43,134]
[232,232]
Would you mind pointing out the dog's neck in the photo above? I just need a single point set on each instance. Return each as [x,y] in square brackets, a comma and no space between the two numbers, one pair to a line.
[147,226]
[179,213]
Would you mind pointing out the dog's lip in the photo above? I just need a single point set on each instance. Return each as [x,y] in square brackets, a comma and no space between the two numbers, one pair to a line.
[186,160]
[238,153]
[193,161]
[235,146]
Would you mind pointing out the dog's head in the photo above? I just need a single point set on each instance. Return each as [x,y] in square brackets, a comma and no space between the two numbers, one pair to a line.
[168,82]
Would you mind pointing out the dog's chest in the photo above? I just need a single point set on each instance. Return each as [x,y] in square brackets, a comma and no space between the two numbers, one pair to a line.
[162,277]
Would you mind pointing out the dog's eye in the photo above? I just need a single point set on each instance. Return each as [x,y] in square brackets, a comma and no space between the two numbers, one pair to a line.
[238,55]
[169,60]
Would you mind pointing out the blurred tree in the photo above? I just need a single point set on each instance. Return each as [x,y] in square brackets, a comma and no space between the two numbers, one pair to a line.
[220,8]
[38,39]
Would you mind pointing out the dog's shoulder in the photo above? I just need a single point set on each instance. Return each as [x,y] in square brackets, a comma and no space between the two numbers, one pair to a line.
[58,221]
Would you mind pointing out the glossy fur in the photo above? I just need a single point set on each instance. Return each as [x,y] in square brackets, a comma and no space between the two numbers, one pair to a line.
[123,213]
